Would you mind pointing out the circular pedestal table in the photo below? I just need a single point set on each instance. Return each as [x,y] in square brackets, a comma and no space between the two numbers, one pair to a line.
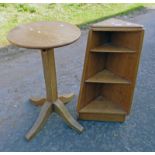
[46,36]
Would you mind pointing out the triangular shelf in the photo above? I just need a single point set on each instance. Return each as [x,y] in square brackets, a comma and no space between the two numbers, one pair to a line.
[109,48]
[101,105]
[107,76]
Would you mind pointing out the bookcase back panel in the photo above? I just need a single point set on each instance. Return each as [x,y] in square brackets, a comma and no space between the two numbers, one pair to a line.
[123,65]
[90,92]
[93,91]
[130,40]
[119,94]
[95,63]
[99,38]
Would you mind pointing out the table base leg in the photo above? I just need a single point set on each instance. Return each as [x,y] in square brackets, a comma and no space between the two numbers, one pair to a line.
[49,107]
[45,112]
[37,101]
[60,108]
[66,98]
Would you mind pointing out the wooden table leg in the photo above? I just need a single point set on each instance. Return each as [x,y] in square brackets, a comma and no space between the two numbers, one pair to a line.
[52,102]
[46,110]
[60,108]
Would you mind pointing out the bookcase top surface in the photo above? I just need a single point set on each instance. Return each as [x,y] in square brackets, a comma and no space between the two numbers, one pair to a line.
[116,23]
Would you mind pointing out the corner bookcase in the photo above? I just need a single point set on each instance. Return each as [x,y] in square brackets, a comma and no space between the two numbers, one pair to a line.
[110,70]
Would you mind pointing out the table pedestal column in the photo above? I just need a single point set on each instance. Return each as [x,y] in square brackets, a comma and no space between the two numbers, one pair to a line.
[52,103]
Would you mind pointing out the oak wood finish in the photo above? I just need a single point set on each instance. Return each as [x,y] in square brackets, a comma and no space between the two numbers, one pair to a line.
[111,49]
[110,70]
[63,112]
[46,36]
[106,76]
[53,102]
[45,112]
[114,24]
[101,106]
[66,98]
[37,101]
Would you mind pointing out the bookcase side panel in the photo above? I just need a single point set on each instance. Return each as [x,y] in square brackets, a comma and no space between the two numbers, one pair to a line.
[92,64]
[126,66]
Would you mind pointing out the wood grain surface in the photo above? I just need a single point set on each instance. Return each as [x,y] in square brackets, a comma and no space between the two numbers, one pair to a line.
[44,35]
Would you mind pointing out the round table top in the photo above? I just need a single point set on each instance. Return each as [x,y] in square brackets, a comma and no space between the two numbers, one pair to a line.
[44,35]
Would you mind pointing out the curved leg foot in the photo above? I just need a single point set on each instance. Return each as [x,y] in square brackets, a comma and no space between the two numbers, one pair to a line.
[46,110]
[66,98]
[37,101]
[60,108]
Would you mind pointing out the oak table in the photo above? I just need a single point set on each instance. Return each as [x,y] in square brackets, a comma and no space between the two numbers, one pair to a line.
[46,36]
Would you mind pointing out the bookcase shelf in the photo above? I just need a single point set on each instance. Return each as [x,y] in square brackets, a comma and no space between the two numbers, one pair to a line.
[112,49]
[110,70]
[102,106]
[107,76]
